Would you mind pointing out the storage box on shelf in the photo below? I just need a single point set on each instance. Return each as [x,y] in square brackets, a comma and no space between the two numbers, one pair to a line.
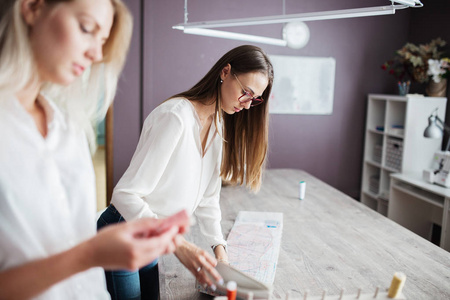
[394,142]
[394,149]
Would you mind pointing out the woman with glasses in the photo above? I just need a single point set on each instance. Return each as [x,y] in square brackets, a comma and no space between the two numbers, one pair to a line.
[217,129]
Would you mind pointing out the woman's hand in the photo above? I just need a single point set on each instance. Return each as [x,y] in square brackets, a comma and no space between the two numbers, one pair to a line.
[131,245]
[128,245]
[199,262]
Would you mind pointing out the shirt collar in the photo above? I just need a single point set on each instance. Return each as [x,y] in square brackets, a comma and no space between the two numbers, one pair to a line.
[53,113]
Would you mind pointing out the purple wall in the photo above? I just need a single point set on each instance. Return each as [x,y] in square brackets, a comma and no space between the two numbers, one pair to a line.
[127,107]
[329,147]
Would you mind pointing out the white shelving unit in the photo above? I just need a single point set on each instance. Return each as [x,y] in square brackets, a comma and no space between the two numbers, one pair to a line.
[394,142]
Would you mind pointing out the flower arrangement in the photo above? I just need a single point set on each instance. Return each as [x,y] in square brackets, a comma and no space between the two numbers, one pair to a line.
[418,63]
[439,69]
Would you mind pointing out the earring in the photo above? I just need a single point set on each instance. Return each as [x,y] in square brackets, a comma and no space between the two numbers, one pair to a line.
[221,81]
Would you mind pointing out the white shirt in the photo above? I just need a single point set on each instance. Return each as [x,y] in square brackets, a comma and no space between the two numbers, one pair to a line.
[170,172]
[47,195]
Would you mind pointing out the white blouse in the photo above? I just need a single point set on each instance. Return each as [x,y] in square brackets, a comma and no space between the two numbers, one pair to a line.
[47,195]
[170,172]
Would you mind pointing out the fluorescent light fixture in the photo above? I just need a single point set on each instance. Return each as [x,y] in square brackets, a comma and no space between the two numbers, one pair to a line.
[235,36]
[202,28]
[314,16]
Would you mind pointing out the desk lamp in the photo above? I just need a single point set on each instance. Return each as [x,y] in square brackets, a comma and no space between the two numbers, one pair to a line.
[435,129]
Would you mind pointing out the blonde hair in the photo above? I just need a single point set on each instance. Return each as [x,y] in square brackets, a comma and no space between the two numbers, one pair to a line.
[87,99]
[245,134]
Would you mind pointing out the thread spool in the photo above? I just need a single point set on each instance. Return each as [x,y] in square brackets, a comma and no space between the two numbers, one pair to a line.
[231,290]
[398,281]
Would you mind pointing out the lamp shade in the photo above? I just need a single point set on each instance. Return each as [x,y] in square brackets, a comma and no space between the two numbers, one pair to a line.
[433,130]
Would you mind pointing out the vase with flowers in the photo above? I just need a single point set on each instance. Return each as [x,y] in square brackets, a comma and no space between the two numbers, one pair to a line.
[439,70]
[420,63]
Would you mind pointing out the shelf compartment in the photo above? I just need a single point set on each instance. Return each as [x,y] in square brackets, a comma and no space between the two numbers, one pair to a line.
[377,116]
[371,179]
[374,147]
[385,184]
[395,117]
[374,183]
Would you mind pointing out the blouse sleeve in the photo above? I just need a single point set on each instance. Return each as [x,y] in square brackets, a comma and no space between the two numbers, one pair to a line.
[159,137]
[208,212]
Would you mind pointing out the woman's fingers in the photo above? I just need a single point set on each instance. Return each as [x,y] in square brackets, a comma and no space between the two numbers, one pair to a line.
[208,270]
[146,249]
[205,270]
[159,245]
[210,259]
[200,263]
[131,245]
[180,219]
[178,240]
[150,227]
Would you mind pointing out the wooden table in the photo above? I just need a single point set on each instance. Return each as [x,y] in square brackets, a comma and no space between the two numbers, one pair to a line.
[330,241]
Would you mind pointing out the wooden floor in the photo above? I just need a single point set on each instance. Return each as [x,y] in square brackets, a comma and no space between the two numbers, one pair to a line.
[100,173]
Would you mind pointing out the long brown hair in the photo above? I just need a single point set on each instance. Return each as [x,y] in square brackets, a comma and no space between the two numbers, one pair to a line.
[245,134]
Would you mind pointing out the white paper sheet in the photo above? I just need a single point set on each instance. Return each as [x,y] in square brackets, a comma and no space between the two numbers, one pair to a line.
[254,244]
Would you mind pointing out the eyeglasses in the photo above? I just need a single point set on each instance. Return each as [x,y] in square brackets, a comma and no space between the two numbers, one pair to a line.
[247,97]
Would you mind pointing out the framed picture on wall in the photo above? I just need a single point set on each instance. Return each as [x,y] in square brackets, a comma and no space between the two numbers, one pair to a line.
[302,85]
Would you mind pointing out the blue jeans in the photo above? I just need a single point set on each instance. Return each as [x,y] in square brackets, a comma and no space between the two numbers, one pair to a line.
[126,285]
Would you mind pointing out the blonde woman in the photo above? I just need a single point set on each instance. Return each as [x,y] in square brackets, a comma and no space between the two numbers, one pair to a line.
[48,243]
[218,128]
